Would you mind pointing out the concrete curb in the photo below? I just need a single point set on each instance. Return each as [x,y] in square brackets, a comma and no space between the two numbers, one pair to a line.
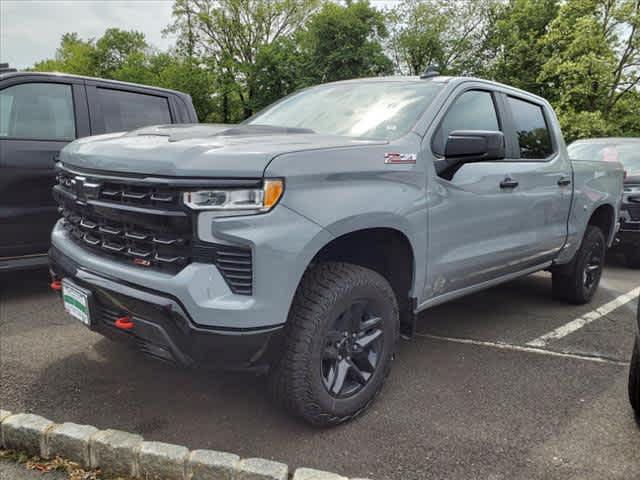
[122,453]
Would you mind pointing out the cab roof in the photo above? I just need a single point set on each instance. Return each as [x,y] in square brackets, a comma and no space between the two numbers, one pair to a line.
[54,75]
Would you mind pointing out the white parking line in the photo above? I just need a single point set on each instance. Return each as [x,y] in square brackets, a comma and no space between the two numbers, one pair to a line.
[520,348]
[586,319]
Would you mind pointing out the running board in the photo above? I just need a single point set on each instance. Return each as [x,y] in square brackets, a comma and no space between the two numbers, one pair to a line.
[432,302]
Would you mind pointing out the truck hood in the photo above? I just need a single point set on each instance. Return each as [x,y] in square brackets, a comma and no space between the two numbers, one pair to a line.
[197,150]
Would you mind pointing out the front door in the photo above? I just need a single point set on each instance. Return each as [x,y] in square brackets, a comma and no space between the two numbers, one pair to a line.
[476,227]
[36,121]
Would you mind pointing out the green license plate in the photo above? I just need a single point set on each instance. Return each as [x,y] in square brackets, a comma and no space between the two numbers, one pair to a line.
[76,302]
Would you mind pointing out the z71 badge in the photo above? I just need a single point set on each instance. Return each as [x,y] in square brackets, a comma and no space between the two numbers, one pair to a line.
[400,158]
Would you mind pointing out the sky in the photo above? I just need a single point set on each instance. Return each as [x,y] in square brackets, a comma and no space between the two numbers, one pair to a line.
[30,30]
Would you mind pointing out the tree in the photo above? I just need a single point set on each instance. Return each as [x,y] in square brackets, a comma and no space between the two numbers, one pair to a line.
[172,71]
[280,68]
[117,47]
[231,33]
[449,35]
[74,55]
[514,51]
[342,42]
[594,54]
[116,50]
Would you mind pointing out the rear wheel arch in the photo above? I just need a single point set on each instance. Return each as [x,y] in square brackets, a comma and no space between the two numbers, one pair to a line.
[604,217]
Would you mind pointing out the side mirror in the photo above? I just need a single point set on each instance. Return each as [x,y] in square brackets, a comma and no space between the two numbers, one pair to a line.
[475,145]
[467,146]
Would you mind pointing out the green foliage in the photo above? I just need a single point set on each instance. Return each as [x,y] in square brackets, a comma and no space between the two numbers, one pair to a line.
[74,55]
[593,51]
[448,35]
[280,70]
[230,35]
[342,42]
[118,49]
[513,46]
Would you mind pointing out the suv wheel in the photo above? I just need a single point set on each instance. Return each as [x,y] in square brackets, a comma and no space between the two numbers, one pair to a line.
[341,336]
[634,379]
[632,256]
[578,281]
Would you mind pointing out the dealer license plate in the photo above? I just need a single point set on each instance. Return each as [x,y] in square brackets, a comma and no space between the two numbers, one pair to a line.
[76,301]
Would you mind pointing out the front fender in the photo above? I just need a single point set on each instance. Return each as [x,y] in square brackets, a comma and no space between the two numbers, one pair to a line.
[345,191]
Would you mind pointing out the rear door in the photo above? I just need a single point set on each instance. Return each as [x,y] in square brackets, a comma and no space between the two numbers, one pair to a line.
[544,176]
[116,108]
[38,117]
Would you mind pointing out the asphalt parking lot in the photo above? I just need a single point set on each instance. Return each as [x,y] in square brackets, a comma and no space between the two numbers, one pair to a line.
[474,395]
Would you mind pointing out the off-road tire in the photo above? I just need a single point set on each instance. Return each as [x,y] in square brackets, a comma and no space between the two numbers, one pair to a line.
[634,379]
[632,257]
[568,281]
[295,381]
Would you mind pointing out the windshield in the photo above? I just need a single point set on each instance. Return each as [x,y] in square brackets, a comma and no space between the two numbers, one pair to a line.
[627,153]
[375,109]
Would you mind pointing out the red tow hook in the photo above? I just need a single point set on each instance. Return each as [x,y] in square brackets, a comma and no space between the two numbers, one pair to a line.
[56,285]
[124,323]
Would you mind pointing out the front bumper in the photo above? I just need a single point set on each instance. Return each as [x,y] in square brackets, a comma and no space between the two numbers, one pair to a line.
[192,317]
[162,326]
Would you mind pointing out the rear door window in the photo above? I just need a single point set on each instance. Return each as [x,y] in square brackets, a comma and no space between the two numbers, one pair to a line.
[124,111]
[37,111]
[473,110]
[534,137]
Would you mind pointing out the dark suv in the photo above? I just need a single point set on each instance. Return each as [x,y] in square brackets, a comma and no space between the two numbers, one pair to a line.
[40,113]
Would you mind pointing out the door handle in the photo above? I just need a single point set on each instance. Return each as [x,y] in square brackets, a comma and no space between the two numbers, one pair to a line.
[564,181]
[509,183]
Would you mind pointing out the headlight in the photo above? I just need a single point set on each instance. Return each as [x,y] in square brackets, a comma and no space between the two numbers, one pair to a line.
[240,201]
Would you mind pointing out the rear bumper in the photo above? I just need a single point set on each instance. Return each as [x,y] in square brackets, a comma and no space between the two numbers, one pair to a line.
[162,326]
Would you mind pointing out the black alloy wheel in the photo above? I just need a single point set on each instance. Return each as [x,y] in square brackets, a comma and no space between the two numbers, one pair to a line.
[593,266]
[577,281]
[340,340]
[352,350]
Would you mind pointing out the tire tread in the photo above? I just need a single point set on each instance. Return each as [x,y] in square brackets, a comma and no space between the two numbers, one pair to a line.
[320,288]
[567,282]
[634,379]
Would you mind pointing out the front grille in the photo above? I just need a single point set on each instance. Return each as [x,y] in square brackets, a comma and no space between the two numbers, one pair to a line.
[144,224]
[136,242]
[124,192]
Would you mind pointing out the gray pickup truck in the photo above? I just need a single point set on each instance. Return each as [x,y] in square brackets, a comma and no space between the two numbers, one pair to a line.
[307,239]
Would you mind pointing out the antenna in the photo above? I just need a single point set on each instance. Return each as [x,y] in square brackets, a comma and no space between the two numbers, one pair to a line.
[430,72]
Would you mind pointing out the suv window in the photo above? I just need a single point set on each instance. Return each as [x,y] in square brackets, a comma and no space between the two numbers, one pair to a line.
[531,126]
[37,111]
[473,110]
[123,111]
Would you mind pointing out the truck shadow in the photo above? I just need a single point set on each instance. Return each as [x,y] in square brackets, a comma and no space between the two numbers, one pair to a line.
[25,284]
